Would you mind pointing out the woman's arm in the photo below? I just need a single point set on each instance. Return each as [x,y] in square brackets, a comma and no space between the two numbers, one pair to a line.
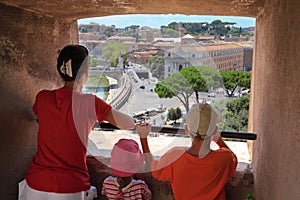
[120,120]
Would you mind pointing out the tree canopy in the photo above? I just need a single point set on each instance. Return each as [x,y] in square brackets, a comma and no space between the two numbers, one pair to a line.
[235,114]
[175,85]
[94,62]
[167,32]
[216,27]
[233,79]
[187,81]
[201,78]
[113,50]
[134,27]
[156,64]
[174,113]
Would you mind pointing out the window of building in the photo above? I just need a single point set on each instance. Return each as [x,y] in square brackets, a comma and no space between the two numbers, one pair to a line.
[180,67]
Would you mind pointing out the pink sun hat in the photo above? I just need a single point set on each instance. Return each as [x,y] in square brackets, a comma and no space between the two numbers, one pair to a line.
[126,158]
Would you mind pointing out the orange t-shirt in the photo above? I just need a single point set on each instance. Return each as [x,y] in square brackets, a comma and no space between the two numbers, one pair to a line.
[196,178]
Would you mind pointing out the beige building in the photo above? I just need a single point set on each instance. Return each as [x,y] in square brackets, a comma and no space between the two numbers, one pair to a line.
[219,56]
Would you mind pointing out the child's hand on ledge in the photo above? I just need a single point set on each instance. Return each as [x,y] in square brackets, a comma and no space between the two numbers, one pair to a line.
[143,129]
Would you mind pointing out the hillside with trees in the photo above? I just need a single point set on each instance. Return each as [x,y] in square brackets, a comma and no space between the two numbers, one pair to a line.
[216,27]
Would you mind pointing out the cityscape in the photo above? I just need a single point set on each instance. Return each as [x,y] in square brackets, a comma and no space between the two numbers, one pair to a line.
[149,55]
[135,60]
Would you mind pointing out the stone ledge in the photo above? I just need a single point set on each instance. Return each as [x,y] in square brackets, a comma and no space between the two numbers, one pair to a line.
[240,185]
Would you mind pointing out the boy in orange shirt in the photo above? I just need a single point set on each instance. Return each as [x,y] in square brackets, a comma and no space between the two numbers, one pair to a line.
[195,172]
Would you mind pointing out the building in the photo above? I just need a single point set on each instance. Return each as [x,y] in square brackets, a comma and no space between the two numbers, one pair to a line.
[142,55]
[248,58]
[130,41]
[146,34]
[187,39]
[236,38]
[219,56]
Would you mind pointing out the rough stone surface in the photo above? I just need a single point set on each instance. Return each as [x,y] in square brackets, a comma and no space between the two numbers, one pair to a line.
[275,102]
[75,9]
[29,46]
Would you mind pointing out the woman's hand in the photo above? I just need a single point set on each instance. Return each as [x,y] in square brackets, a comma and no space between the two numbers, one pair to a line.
[143,130]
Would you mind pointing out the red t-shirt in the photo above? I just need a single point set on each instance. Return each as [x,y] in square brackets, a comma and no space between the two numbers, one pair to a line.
[196,178]
[65,120]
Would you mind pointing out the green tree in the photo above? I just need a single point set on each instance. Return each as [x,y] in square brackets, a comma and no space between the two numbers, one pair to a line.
[233,79]
[194,77]
[174,114]
[235,114]
[201,78]
[94,62]
[220,28]
[169,33]
[108,32]
[156,64]
[173,26]
[187,81]
[175,86]
[113,50]
[216,27]
[132,27]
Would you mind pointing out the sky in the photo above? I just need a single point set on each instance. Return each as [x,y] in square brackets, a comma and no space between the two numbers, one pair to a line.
[155,21]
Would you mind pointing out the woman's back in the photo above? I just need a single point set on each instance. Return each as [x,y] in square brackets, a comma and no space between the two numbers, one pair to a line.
[65,120]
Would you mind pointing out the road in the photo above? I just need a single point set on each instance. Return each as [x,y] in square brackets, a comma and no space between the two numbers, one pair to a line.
[142,99]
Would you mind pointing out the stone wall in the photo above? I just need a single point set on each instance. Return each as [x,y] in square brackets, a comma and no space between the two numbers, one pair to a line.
[275,101]
[29,47]
[240,185]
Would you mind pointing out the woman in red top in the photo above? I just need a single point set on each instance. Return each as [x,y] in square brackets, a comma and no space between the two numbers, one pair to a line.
[65,117]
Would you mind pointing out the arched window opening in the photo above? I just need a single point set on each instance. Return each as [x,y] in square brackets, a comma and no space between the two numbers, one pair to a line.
[134,59]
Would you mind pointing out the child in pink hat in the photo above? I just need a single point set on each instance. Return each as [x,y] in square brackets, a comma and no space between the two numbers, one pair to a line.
[126,160]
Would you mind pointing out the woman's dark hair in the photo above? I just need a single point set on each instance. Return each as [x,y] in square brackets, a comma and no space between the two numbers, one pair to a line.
[76,58]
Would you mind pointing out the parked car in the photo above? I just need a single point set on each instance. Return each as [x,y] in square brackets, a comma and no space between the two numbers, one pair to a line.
[211,94]
[160,108]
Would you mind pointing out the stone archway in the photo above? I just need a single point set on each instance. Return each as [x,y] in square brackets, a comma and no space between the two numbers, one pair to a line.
[32,32]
